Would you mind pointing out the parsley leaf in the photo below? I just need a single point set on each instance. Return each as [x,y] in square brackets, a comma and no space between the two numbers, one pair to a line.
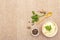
[33,12]
[48,27]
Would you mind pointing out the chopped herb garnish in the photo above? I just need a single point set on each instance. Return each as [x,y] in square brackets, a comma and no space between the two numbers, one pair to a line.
[48,27]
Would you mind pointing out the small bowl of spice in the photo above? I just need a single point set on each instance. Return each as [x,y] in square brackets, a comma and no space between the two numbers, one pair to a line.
[35,30]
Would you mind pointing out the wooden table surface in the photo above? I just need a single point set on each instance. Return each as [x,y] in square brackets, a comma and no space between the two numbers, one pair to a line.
[15,14]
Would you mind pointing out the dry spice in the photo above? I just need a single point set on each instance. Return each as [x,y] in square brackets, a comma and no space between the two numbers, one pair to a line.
[34,31]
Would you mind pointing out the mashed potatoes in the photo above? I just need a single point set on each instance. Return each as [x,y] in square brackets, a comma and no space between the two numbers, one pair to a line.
[53,30]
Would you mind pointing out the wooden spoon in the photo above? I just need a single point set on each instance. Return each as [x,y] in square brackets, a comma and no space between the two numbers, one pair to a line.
[45,16]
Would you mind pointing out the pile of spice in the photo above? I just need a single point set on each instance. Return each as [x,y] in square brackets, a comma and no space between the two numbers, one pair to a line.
[34,31]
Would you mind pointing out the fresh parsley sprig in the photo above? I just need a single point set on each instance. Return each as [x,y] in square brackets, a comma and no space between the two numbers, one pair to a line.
[35,17]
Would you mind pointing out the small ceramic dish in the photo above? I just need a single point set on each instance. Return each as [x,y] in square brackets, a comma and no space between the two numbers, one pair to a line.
[54,29]
[34,30]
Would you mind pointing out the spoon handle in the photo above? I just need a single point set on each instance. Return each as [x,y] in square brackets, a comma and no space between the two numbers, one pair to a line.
[46,16]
